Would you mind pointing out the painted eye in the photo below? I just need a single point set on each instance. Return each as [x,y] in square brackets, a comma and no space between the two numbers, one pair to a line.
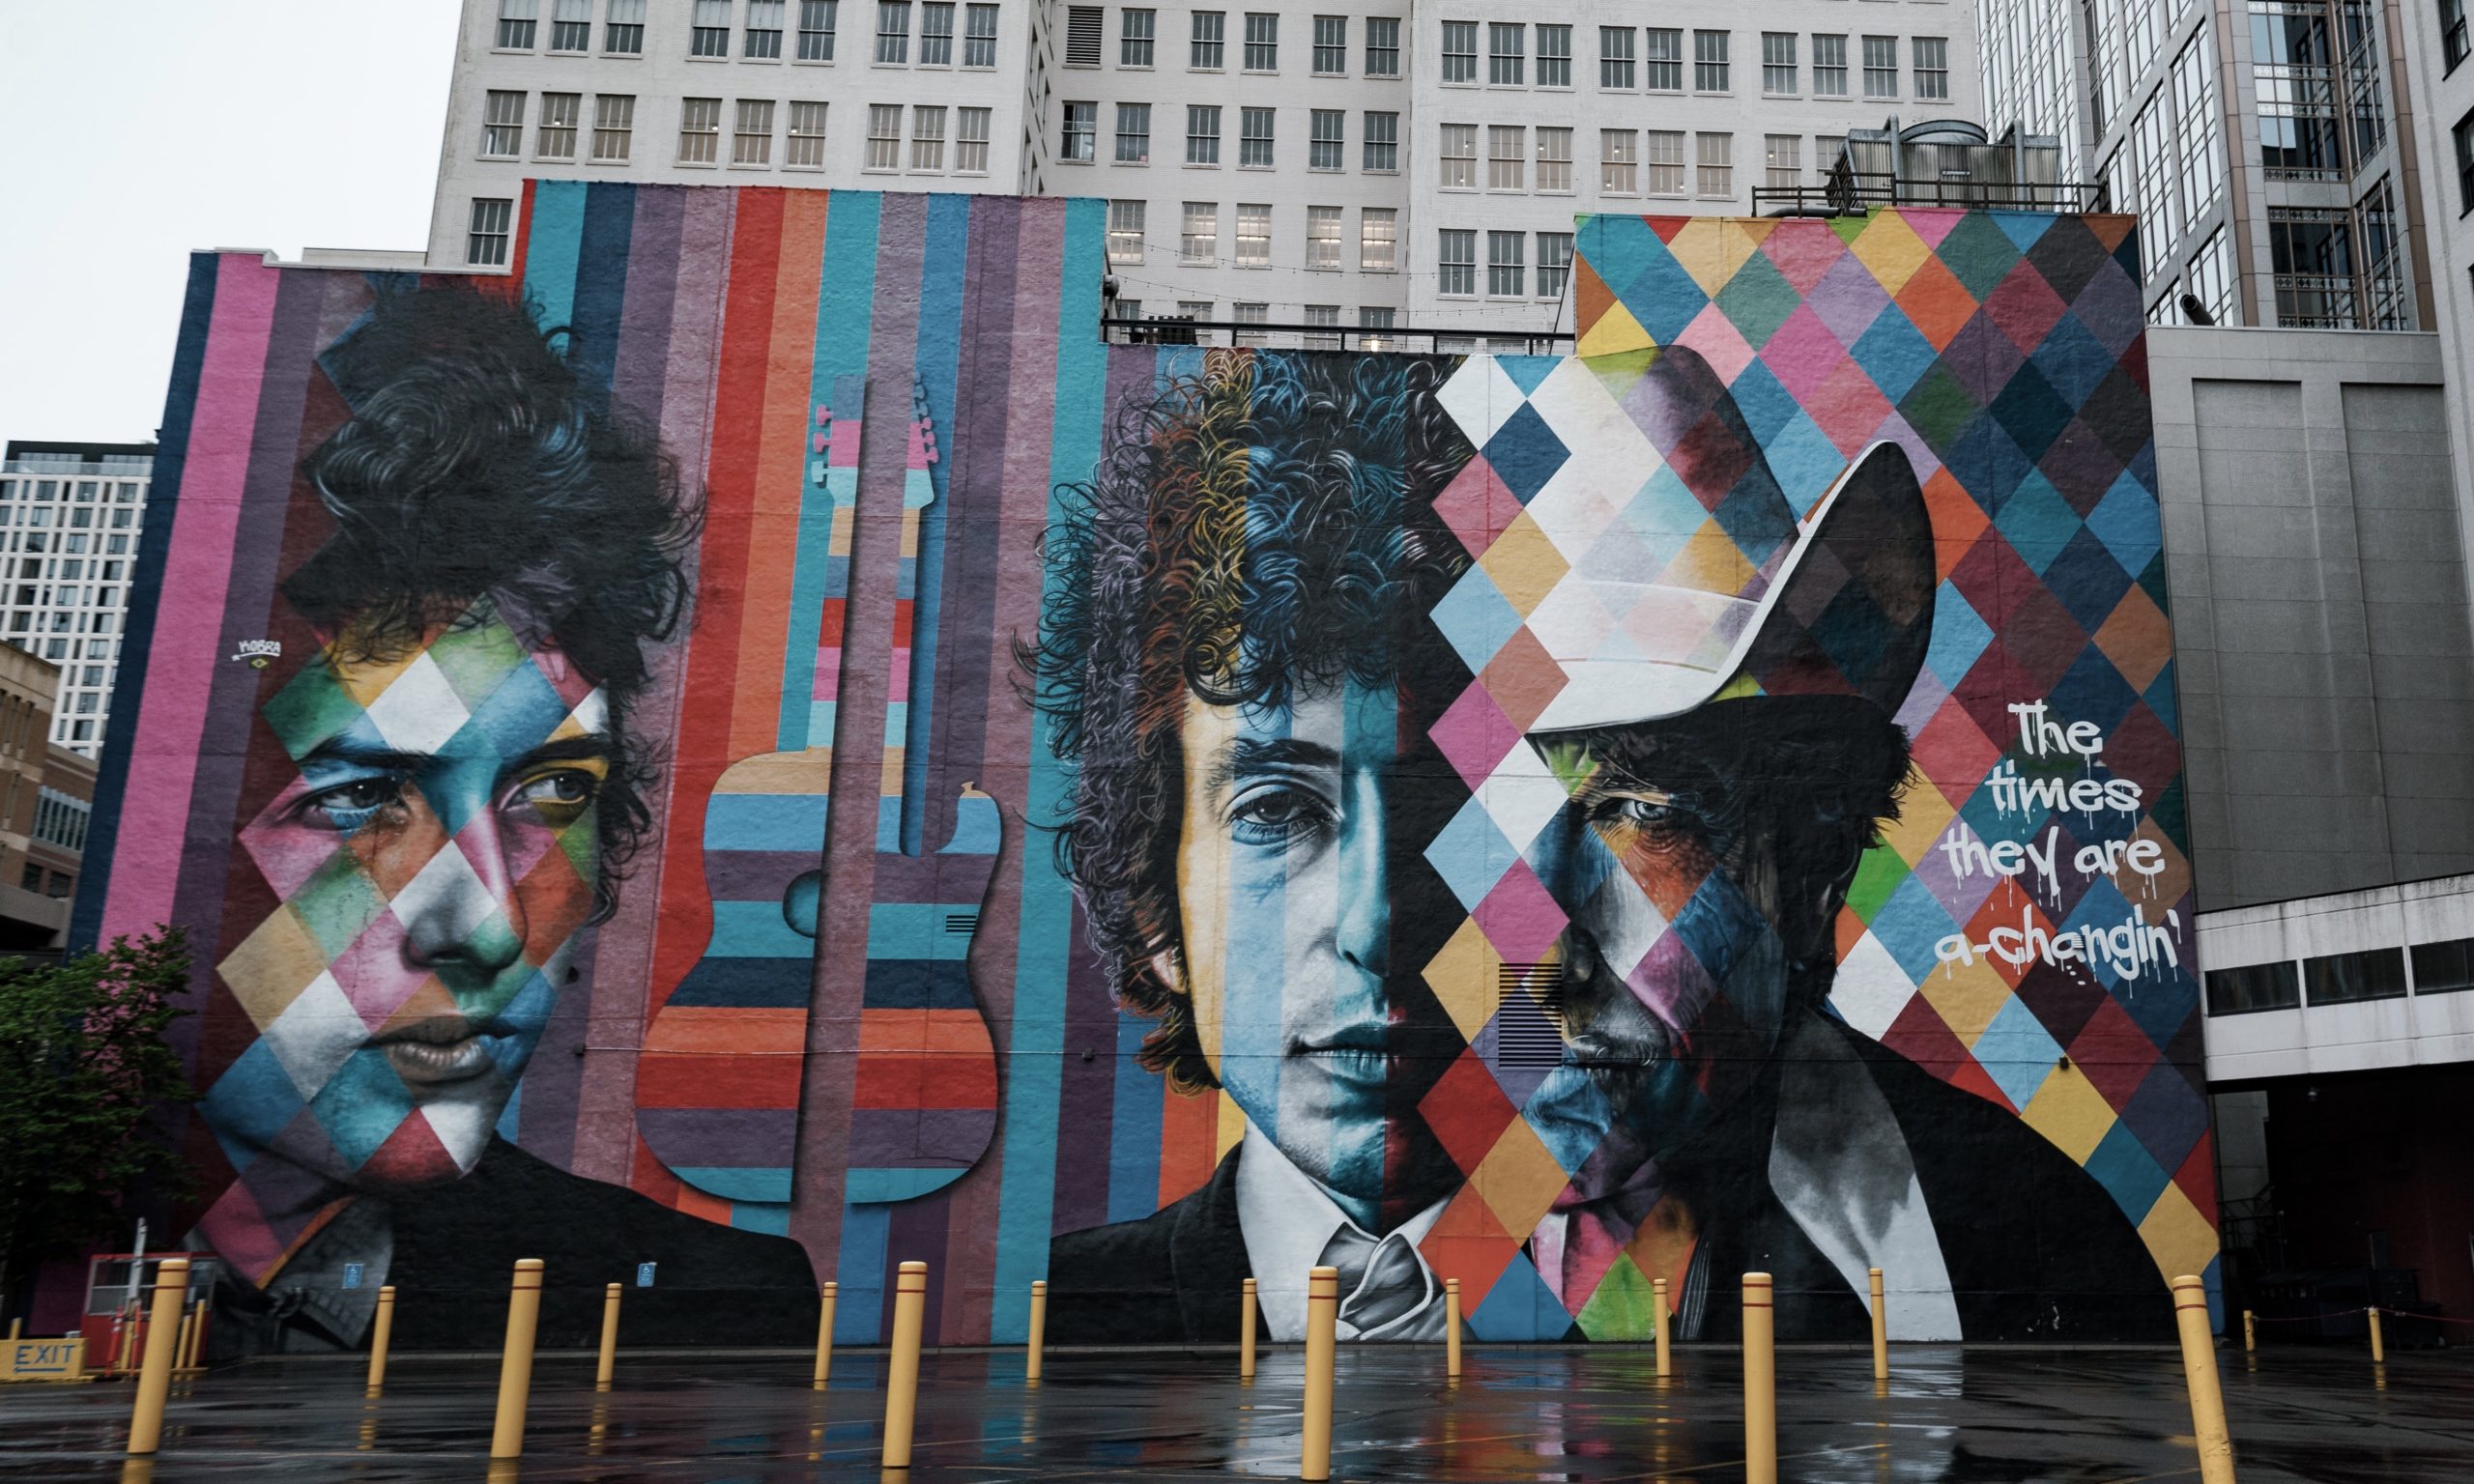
[1648,813]
[1271,815]
[349,806]
[562,791]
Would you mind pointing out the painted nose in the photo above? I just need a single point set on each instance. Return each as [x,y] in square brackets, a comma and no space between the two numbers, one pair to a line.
[463,920]
[1364,887]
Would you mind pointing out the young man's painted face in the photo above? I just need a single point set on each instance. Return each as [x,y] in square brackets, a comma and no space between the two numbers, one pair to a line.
[1302,894]
[436,854]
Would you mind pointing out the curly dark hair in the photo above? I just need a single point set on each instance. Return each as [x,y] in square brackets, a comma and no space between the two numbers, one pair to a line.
[477,466]
[1264,527]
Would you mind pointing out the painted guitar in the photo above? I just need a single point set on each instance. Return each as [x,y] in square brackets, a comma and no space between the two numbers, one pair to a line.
[726,1058]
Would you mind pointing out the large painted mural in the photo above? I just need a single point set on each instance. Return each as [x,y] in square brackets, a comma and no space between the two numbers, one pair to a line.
[758,748]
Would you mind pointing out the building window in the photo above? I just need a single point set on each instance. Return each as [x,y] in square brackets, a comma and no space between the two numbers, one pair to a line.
[1460,51]
[1554,263]
[556,139]
[1881,67]
[2211,276]
[884,134]
[936,33]
[1931,68]
[1455,260]
[927,138]
[1209,31]
[501,124]
[1198,236]
[1663,60]
[979,36]
[1554,159]
[1323,236]
[1505,45]
[1125,231]
[571,25]
[1262,42]
[1505,143]
[1615,59]
[1081,132]
[2312,252]
[1459,157]
[1137,31]
[762,38]
[1830,66]
[1331,49]
[1134,133]
[1619,162]
[971,141]
[1383,46]
[2252,987]
[1709,61]
[711,34]
[1783,160]
[2340,979]
[699,130]
[2153,180]
[1505,271]
[1254,137]
[2440,968]
[614,125]
[2202,169]
[806,149]
[1717,164]
[1378,242]
[1083,27]
[623,36]
[516,18]
[1383,143]
[1327,149]
[893,30]
[816,21]
[485,245]
[1779,62]
[1253,235]
[30,879]
[2463,136]
[1324,317]
[2452,31]
[1203,133]
[1250,314]
[752,133]
[1554,56]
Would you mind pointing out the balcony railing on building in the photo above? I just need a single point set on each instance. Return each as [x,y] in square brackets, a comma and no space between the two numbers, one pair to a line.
[1407,339]
[1944,162]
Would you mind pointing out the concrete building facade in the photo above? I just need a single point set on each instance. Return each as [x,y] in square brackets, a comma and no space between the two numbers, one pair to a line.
[46,794]
[71,515]
[1280,165]
[2269,148]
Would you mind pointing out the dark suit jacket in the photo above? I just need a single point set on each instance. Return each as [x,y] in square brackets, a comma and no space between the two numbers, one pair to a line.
[2035,1247]
[456,1247]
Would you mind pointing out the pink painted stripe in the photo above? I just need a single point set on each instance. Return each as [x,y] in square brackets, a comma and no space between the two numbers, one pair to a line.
[188,623]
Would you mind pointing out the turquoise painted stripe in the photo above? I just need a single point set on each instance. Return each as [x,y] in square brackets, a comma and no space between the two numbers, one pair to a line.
[845,312]
[945,261]
[916,929]
[1035,1072]
[1133,1128]
[765,821]
[732,1183]
[550,253]
[756,929]
[859,1314]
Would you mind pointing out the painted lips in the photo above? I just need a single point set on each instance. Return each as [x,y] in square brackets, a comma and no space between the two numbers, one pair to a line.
[430,1052]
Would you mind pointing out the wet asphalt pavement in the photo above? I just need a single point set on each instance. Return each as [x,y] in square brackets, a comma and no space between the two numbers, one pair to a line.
[1519,1413]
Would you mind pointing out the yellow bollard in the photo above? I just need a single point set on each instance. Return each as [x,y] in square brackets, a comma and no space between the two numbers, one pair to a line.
[16,1326]
[380,1333]
[2379,1350]
[515,1364]
[197,1337]
[901,1366]
[825,1332]
[609,1363]
[1037,1339]
[1759,1382]
[2250,1330]
[1247,1303]
[1658,1323]
[155,1375]
[2199,1369]
[181,1346]
[1452,1328]
[1880,1327]
[1323,1340]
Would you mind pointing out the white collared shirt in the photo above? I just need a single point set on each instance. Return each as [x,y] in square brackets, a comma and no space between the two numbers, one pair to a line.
[1288,1223]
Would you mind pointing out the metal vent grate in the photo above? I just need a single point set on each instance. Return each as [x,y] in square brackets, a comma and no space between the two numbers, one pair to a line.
[1529,1023]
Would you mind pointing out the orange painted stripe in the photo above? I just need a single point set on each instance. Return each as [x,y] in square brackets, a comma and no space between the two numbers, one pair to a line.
[898,1031]
[703,1030]
[925,1082]
[700,1081]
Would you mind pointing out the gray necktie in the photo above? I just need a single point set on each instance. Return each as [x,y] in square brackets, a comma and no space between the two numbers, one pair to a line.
[1380,1281]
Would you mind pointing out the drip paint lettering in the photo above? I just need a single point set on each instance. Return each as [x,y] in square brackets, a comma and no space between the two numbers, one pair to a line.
[2131,947]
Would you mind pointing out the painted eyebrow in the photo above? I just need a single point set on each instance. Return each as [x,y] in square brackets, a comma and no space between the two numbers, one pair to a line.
[387,759]
[1245,755]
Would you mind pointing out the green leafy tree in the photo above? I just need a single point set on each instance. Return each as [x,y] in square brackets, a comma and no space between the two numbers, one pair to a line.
[84,1068]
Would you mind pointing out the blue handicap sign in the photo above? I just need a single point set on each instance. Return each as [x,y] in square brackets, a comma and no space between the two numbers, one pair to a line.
[351,1275]
[644,1274]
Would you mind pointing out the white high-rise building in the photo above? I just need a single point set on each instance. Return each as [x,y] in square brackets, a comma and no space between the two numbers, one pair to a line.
[69,518]
[2259,145]
[1282,166]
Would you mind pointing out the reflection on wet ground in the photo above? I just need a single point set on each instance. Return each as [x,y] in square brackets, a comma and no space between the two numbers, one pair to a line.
[2116,1417]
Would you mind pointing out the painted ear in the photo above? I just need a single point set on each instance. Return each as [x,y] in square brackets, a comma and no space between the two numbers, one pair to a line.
[1856,615]
[1170,970]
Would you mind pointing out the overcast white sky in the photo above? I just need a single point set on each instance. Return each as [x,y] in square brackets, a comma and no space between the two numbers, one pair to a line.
[149,127]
